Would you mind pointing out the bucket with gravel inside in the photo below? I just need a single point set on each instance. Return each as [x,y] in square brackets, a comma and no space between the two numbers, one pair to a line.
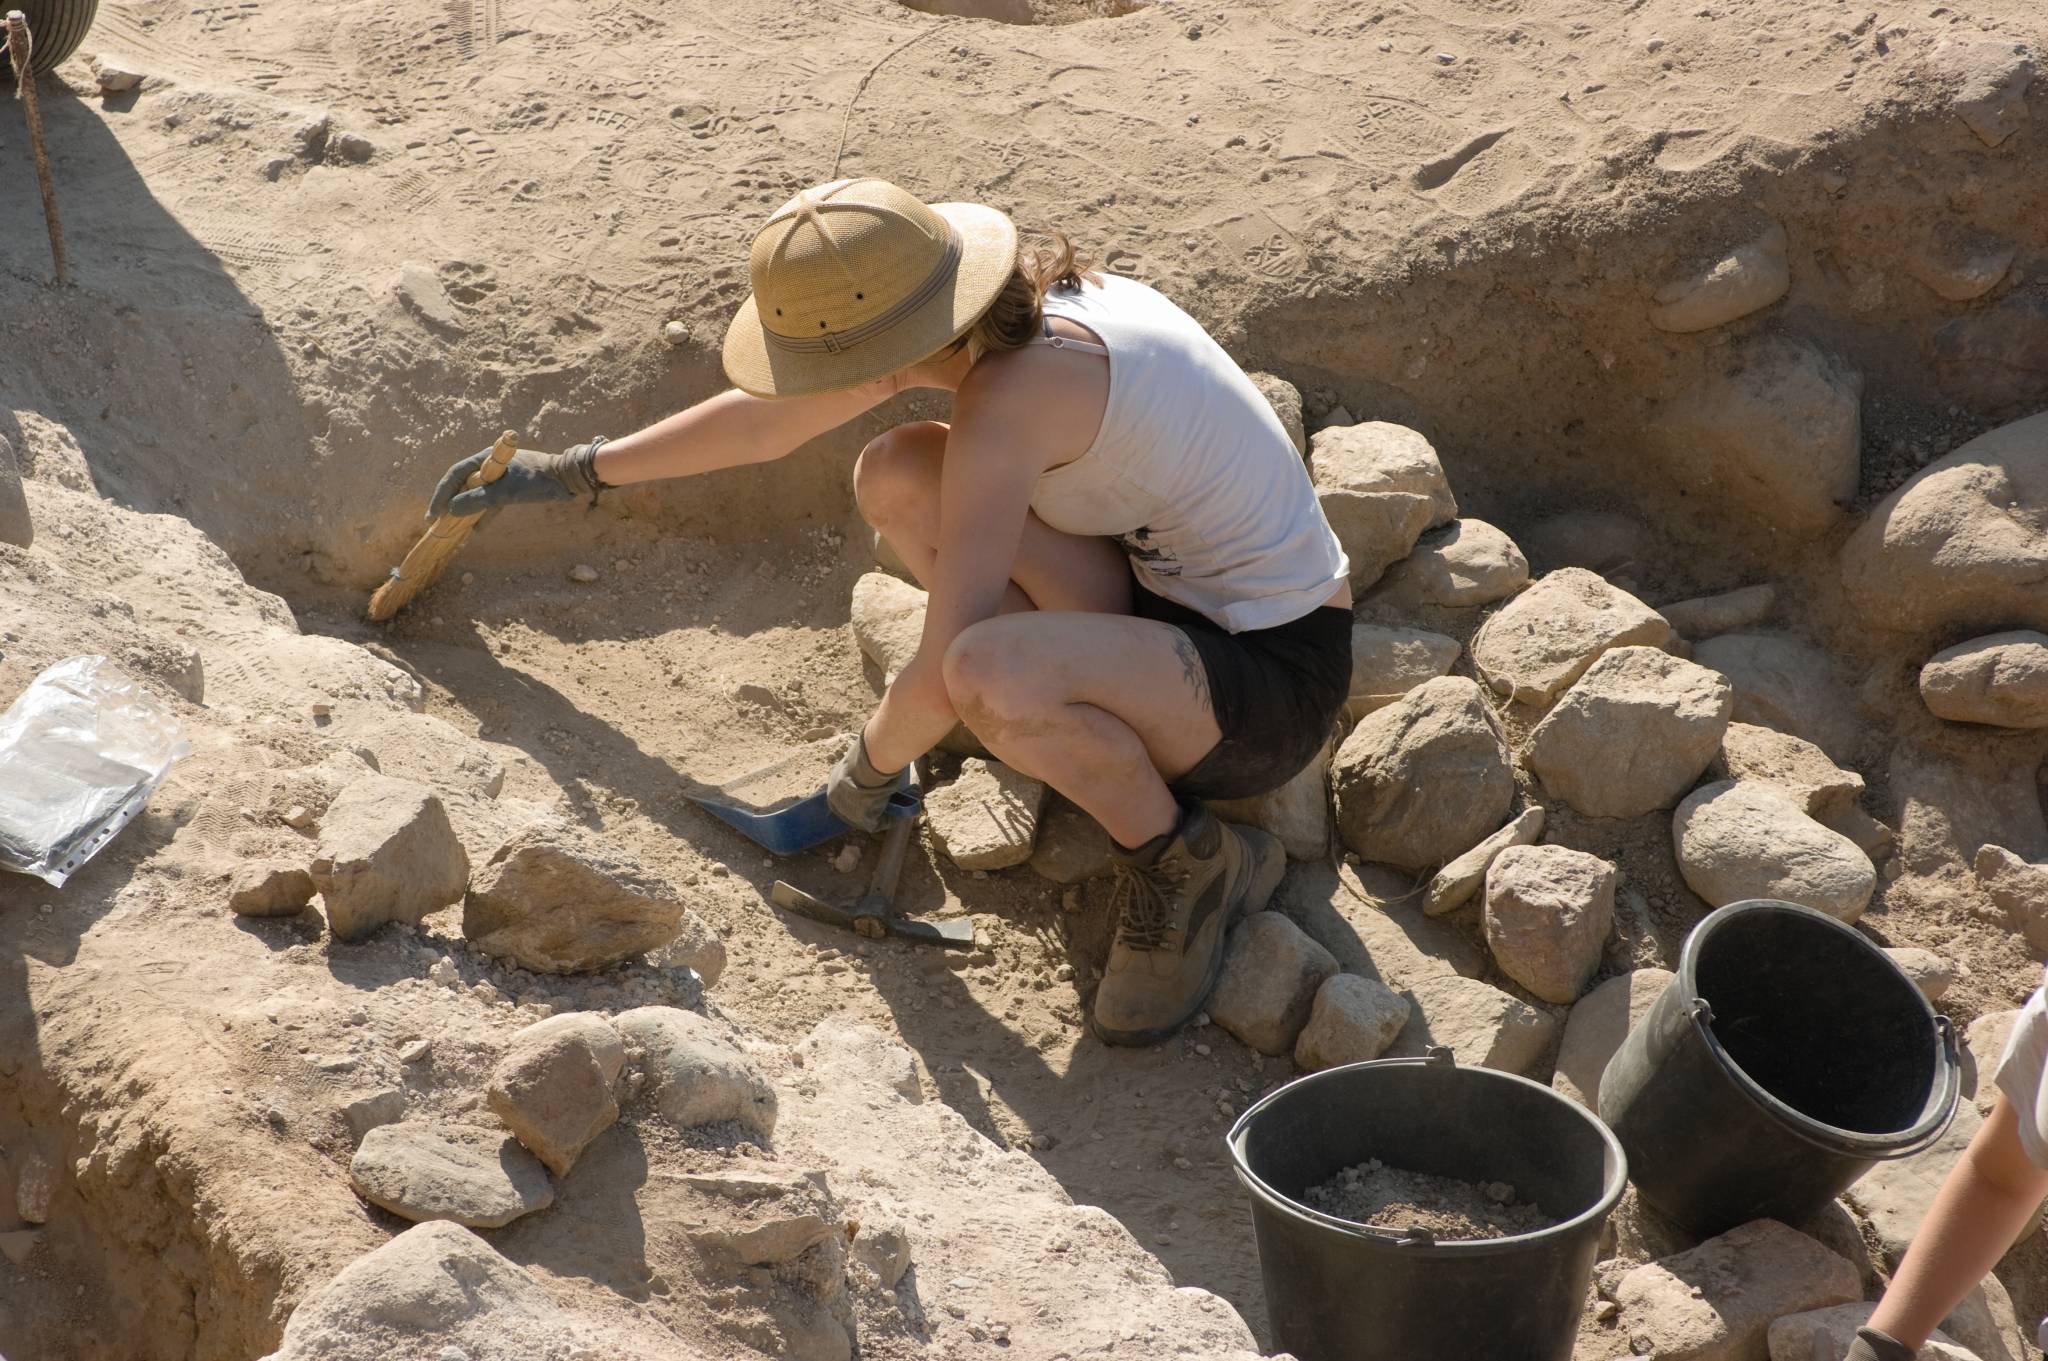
[1414,1208]
[1786,1058]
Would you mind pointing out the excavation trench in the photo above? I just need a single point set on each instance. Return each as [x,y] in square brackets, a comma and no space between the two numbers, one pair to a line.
[713,639]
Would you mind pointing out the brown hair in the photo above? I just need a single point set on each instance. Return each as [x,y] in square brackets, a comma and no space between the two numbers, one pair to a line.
[1014,319]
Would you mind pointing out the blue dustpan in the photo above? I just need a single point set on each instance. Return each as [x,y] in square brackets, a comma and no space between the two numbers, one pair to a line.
[806,823]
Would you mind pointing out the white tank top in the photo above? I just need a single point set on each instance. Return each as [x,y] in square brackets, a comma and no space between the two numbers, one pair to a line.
[1191,471]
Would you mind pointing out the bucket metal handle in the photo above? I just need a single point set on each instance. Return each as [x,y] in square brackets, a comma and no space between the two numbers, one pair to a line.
[1701,1013]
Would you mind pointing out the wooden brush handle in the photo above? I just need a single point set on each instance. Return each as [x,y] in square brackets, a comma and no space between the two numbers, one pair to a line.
[493,467]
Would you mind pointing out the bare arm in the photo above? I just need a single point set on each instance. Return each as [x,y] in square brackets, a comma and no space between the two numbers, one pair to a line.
[729,430]
[998,446]
[1975,1217]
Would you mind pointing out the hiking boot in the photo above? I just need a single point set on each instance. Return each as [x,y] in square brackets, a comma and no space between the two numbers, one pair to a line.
[1175,899]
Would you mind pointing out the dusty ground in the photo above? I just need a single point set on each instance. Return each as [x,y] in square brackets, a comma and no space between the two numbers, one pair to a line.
[280,336]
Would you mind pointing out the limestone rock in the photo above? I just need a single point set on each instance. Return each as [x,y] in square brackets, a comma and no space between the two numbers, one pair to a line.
[418,288]
[553,1086]
[1777,440]
[2000,680]
[2020,889]
[1424,778]
[1745,280]
[1545,638]
[1380,486]
[1477,1022]
[694,1074]
[1298,812]
[987,819]
[1872,837]
[885,1248]
[1353,1020]
[1367,919]
[888,620]
[1894,1196]
[1071,845]
[1983,1047]
[387,853]
[1456,882]
[1929,972]
[34,1183]
[1739,841]
[1386,663]
[1826,1334]
[1785,683]
[378,1108]
[1959,790]
[1790,764]
[1597,1026]
[269,888]
[15,525]
[1285,399]
[1271,973]
[556,899]
[437,1291]
[853,1053]
[1549,910]
[1461,564]
[1716,1301]
[1989,78]
[1995,358]
[1963,544]
[1962,266]
[1632,734]
[479,1178]
[1598,540]
[696,946]
[1706,615]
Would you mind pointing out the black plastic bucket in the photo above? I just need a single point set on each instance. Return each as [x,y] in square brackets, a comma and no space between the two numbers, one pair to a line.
[1339,1291]
[1786,1058]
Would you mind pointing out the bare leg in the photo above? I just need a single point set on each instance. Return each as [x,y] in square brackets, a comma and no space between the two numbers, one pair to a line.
[897,485]
[1104,708]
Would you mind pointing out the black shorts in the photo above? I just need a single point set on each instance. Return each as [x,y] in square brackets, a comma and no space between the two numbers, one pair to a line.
[1276,694]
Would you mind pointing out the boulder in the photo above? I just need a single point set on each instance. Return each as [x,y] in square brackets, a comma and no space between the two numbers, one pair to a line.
[1707,615]
[2000,680]
[1929,972]
[1792,765]
[1738,841]
[1425,778]
[553,1086]
[1285,399]
[1716,1302]
[1457,881]
[888,620]
[1461,564]
[1747,279]
[885,1248]
[1386,663]
[1995,358]
[1380,486]
[1545,638]
[1597,540]
[1963,544]
[1549,910]
[1987,80]
[1774,439]
[1271,973]
[387,853]
[1353,1020]
[2020,889]
[1632,734]
[269,888]
[1983,1049]
[555,898]
[1072,846]
[694,1075]
[378,1108]
[1827,1334]
[852,1053]
[1785,683]
[1477,1022]
[696,946]
[1960,789]
[1368,921]
[1962,264]
[479,1178]
[1894,1196]
[35,1181]
[1597,1026]
[987,818]
[1298,812]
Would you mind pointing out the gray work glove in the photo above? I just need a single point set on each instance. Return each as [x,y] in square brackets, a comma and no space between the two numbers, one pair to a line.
[1871,1345]
[858,792]
[529,476]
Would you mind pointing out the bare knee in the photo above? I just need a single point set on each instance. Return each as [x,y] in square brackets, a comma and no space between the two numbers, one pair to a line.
[995,677]
[896,479]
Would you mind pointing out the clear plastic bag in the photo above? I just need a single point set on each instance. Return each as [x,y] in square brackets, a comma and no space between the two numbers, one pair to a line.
[81,751]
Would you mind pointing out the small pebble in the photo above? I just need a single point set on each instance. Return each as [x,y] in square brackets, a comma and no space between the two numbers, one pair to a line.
[583,572]
[1444,59]
[1386,47]
[847,860]
[299,816]
[416,1052]
[675,334]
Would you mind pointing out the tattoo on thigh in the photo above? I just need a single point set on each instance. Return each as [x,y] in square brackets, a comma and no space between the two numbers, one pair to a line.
[1192,670]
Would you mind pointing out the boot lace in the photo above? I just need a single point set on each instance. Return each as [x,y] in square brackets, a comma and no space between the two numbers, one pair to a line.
[1144,902]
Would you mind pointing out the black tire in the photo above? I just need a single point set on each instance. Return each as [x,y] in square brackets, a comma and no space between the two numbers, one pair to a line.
[58,27]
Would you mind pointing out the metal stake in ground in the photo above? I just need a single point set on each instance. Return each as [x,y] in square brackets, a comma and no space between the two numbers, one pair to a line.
[19,44]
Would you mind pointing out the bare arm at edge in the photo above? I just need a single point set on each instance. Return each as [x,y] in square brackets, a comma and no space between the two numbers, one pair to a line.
[732,429]
[1991,1192]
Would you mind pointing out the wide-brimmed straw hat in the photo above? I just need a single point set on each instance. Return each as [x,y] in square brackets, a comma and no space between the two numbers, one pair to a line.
[856,279]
